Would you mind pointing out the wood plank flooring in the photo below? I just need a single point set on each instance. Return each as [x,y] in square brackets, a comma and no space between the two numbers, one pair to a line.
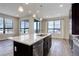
[6,48]
[59,47]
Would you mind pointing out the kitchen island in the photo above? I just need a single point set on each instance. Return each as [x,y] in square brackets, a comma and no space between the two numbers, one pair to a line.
[31,44]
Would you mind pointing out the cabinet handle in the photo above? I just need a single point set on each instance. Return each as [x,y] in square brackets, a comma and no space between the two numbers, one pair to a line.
[15,48]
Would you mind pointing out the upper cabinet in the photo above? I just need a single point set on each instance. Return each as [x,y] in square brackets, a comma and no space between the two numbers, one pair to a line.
[75,18]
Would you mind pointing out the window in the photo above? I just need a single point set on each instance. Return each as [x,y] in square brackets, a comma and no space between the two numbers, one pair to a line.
[50,26]
[6,25]
[54,26]
[24,26]
[36,26]
[1,25]
[70,23]
[57,26]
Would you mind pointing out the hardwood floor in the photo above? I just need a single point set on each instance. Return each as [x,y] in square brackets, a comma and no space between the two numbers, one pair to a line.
[6,48]
[59,47]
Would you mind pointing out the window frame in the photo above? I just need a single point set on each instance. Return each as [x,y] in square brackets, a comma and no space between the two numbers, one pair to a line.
[24,26]
[54,28]
[4,24]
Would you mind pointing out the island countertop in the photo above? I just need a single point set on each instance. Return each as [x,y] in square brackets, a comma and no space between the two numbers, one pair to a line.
[29,39]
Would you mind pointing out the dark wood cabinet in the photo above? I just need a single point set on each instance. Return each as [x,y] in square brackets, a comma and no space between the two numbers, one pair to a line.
[46,45]
[26,50]
[75,18]
[40,48]
[22,49]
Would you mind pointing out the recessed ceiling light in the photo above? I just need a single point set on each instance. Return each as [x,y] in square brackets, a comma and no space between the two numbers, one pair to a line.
[61,5]
[20,9]
[34,15]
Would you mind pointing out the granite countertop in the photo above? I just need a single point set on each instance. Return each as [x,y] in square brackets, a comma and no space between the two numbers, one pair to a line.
[29,39]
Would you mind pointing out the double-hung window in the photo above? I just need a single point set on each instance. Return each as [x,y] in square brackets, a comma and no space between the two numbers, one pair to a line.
[24,26]
[1,25]
[6,25]
[54,26]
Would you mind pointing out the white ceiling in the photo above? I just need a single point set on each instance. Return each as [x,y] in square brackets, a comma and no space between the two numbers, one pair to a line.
[46,9]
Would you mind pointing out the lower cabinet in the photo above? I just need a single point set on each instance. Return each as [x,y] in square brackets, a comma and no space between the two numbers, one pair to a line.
[40,48]
[25,50]
[22,49]
[46,45]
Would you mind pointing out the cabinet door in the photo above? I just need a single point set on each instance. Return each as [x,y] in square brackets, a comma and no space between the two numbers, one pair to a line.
[22,49]
[75,18]
[38,48]
[49,43]
[45,46]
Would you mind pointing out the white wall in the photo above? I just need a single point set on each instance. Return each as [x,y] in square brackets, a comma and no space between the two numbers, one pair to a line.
[16,26]
[66,27]
[43,26]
